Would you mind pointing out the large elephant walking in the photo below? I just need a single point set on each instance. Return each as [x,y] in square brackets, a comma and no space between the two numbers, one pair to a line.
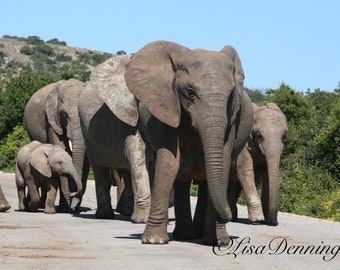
[192,110]
[109,117]
[259,163]
[51,116]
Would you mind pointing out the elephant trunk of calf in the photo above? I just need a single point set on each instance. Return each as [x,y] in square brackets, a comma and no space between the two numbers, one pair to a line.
[270,191]
[74,198]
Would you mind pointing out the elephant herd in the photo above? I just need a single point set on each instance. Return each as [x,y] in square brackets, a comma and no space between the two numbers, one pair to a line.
[151,124]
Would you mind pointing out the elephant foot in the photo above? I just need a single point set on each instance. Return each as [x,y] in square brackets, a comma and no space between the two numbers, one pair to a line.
[33,207]
[62,208]
[140,215]
[182,234]
[155,236]
[5,206]
[75,204]
[124,210]
[106,213]
[256,217]
[49,211]
[220,236]
[271,221]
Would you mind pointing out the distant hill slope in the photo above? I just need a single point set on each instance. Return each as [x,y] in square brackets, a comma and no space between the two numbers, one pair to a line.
[52,58]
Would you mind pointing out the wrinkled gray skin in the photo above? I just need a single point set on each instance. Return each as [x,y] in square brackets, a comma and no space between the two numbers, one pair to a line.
[51,116]
[115,148]
[41,166]
[259,163]
[4,204]
[192,110]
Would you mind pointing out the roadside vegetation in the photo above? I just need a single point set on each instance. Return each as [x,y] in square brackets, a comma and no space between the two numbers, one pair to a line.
[310,165]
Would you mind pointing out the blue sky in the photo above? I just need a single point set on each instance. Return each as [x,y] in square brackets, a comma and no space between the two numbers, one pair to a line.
[296,42]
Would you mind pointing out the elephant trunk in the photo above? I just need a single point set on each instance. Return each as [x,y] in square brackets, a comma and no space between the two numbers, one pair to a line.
[73,198]
[79,157]
[270,196]
[212,131]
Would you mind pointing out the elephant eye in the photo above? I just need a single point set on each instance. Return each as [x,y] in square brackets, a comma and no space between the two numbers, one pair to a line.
[284,137]
[191,92]
[64,118]
[258,137]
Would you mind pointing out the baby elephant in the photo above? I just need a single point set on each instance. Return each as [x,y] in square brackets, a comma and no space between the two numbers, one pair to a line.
[259,163]
[44,166]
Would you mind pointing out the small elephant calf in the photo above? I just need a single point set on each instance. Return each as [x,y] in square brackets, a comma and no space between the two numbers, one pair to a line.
[44,166]
[259,163]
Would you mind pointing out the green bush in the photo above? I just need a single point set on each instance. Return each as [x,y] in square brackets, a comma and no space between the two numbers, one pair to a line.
[27,50]
[12,144]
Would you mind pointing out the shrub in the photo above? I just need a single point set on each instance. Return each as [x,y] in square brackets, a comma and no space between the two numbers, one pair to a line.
[14,141]
[27,50]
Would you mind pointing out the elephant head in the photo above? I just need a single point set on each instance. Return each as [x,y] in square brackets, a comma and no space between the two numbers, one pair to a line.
[62,114]
[51,160]
[268,134]
[172,82]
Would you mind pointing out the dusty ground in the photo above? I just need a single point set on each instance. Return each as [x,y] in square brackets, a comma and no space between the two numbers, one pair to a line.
[64,241]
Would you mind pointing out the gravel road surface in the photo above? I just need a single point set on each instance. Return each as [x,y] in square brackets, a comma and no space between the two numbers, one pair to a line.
[65,241]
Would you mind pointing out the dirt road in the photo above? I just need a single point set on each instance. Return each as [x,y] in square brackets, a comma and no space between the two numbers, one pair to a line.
[65,241]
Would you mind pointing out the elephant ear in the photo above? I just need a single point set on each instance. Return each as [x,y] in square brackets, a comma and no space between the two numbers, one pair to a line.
[238,75]
[51,109]
[238,70]
[39,162]
[255,107]
[150,76]
[108,82]
[273,106]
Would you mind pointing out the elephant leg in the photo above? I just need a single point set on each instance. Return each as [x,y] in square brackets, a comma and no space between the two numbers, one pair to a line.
[214,232]
[234,190]
[52,188]
[33,195]
[245,174]
[139,176]
[184,225]
[22,205]
[166,169]
[200,210]
[125,199]
[43,195]
[4,204]
[103,182]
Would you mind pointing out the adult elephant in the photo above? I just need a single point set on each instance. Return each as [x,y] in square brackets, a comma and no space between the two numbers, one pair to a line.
[51,116]
[109,121]
[4,204]
[259,163]
[192,110]
[40,166]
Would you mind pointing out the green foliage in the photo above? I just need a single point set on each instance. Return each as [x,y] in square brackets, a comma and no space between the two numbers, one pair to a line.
[256,95]
[56,41]
[34,40]
[310,166]
[13,100]
[293,104]
[27,50]
[47,60]
[12,144]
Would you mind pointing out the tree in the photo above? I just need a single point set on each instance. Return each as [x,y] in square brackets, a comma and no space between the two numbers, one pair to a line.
[13,100]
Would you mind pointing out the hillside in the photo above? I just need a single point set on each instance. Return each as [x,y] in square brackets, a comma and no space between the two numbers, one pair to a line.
[52,58]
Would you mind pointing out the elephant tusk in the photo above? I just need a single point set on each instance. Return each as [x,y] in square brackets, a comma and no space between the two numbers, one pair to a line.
[70,145]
